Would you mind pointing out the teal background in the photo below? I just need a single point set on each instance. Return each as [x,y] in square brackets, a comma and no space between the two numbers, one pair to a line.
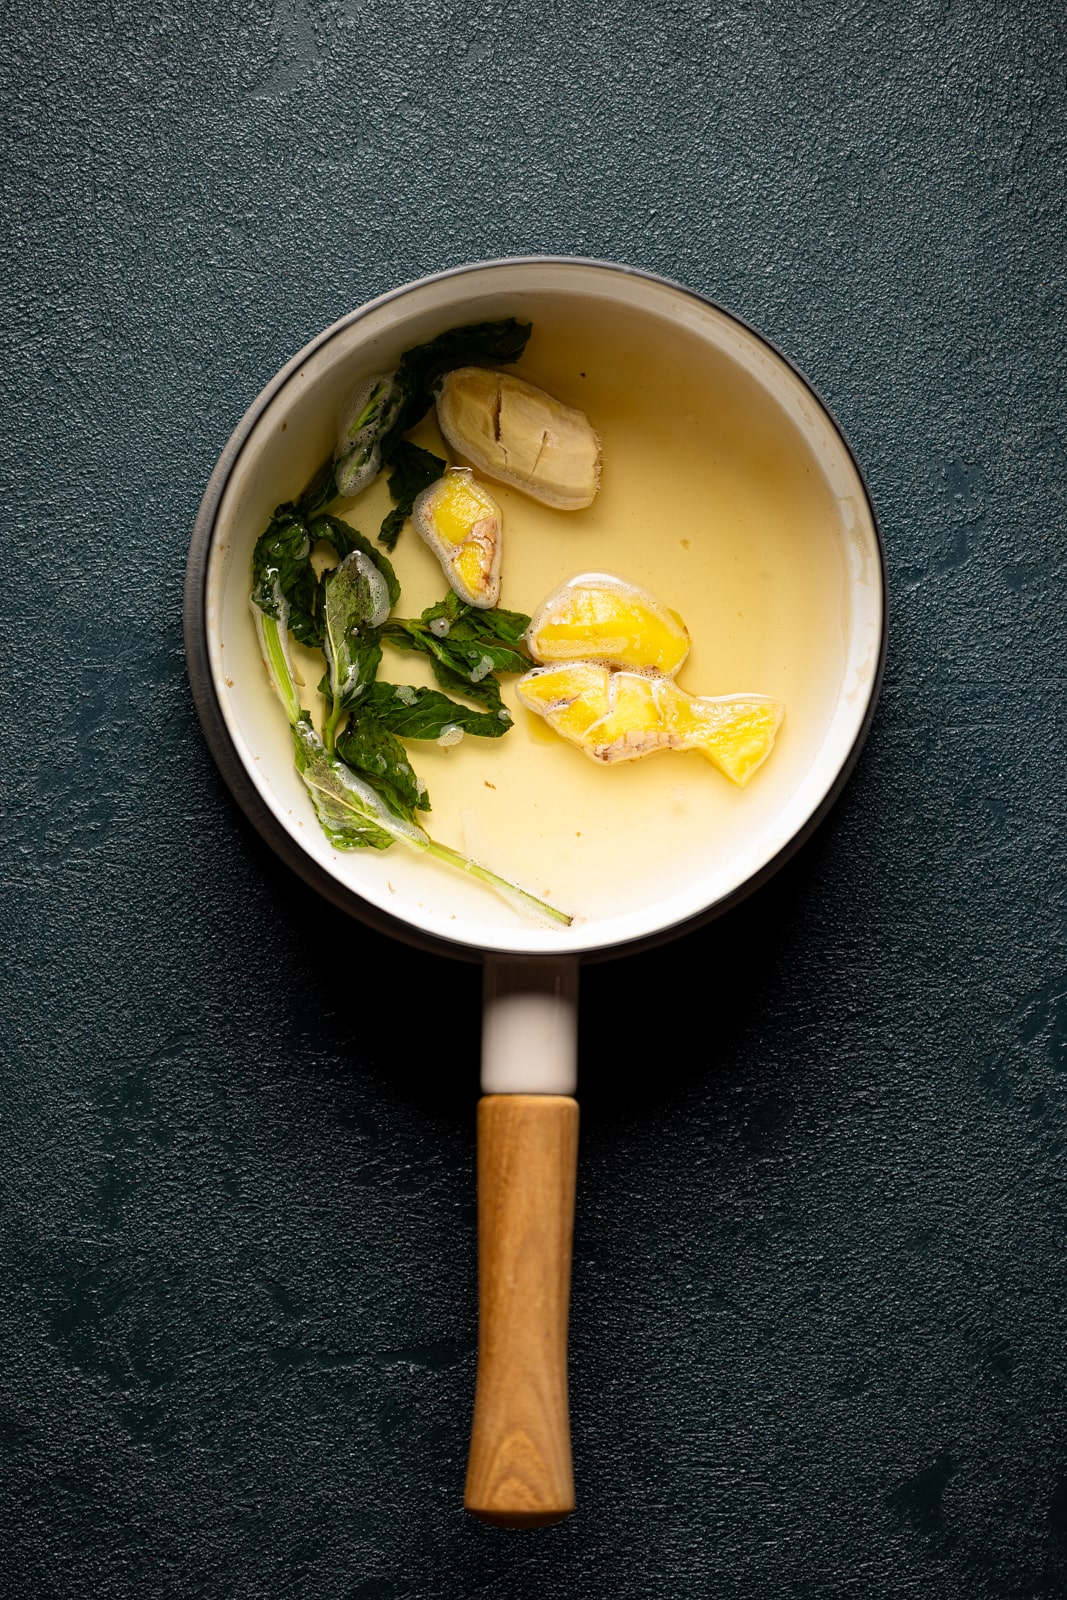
[821,1261]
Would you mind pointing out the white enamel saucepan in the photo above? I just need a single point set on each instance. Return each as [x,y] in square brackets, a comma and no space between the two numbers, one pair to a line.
[795,569]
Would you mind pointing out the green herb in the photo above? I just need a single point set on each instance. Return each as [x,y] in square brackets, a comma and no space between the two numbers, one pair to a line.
[354,814]
[354,817]
[361,783]
[355,601]
[377,755]
[320,491]
[282,575]
[501,630]
[271,627]
[345,539]
[466,645]
[413,470]
[405,636]
[369,414]
[425,714]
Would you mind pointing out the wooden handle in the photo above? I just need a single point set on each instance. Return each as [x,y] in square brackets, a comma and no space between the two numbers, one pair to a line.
[519,1474]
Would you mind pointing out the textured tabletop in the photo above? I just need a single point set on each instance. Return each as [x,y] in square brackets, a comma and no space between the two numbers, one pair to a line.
[818,1330]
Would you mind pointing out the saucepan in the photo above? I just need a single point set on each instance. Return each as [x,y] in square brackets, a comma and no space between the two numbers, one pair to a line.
[732,494]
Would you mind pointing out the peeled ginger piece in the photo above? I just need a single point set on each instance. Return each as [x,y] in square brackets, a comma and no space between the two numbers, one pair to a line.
[520,435]
[598,617]
[461,522]
[620,716]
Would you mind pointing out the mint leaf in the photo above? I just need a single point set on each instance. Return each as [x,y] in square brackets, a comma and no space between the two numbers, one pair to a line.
[282,570]
[424,713]
[414,469]
[466,645]
[377,755]
[350,812]
[345,539]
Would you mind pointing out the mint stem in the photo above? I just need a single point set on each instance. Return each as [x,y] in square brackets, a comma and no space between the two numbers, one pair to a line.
[278,664]
[331,725]
[465,864]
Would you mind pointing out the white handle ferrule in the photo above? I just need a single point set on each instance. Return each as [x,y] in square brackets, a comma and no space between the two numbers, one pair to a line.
[530,1025]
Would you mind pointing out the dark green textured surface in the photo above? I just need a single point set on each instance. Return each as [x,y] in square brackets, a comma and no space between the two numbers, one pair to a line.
[818,1330]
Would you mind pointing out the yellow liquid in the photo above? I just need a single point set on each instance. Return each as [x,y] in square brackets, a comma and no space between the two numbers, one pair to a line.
[715,503]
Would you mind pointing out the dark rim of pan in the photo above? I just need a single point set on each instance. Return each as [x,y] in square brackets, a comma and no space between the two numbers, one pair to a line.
[210,712]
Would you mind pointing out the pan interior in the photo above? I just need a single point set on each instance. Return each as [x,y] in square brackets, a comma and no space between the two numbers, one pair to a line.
[726,490]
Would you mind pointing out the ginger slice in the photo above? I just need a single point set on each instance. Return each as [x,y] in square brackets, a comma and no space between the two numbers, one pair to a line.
[461,522]
[599,617]
[621,716]
[516,433]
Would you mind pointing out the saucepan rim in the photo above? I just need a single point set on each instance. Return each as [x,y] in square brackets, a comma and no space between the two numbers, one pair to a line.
[220,742]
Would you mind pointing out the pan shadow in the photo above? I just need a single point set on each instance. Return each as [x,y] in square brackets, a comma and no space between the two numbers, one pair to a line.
[681,1050]
[692,1014]
[652,1026]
